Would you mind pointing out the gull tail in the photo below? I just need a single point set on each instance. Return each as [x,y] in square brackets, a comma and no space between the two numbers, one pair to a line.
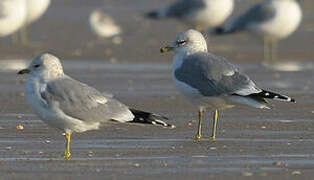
[149,118]
[271,95]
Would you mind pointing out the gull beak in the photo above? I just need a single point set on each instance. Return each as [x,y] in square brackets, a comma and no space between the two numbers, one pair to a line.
[166,49]
[24,71]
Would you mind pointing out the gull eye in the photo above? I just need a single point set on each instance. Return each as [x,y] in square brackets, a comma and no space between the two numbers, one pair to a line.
[36,65]
[181,42]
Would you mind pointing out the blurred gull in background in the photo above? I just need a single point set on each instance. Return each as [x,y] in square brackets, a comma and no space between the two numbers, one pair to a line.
[35,9]
[103,25]
[15,15]
[271,19]
[201,14]
[12,17]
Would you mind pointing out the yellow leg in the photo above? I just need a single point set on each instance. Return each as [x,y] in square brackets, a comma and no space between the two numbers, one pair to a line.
[199,130]
[215,120]
[67,153]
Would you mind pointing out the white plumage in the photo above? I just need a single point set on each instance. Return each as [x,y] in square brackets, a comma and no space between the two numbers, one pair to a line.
[103,25]
[272,20]
[287,19]
[12,16]
[35,9]
[202,14]
[71,106]
[210,81]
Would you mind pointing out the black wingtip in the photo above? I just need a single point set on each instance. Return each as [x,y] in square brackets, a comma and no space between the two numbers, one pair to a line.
[152,15]
[162,123]
[271,95]
[143,117]
[223,30]
[218,31]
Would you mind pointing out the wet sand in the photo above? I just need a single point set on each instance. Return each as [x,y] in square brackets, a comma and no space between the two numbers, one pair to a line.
[251,143]
[259,144]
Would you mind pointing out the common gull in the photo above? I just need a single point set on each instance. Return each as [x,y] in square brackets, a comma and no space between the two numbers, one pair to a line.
[12,16]
[103,25]
[210,81]
[271,19]
[201,14]
[35,9]
[71,106]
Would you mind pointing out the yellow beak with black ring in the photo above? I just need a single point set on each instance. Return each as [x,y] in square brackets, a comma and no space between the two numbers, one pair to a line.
[24,71]
[166,49]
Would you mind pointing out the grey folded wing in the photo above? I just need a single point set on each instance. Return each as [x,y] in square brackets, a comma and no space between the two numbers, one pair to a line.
[82,102]
[214,76]
[259,13]
[184,7]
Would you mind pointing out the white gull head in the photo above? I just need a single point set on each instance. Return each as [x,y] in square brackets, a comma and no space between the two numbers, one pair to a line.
[188,42]
[46,66]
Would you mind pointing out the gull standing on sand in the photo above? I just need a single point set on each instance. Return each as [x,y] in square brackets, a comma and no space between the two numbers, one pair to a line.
[71,106]
[210,81]
[202,14]
[35,9]
[12,16]
[271,19]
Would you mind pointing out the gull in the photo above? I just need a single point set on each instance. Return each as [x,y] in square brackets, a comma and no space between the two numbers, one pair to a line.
[71,106]
[271,20]
[202,14]
[103,25]
[12,16]
[210,81]
[35,9]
